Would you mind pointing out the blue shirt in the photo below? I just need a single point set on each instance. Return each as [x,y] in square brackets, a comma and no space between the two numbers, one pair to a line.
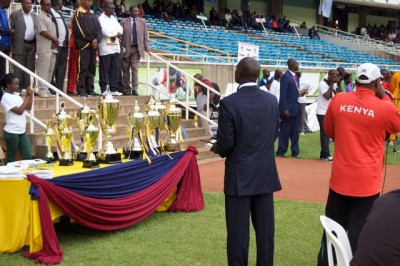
[5,39]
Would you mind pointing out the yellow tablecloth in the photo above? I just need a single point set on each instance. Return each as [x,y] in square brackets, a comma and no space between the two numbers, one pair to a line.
[19,217]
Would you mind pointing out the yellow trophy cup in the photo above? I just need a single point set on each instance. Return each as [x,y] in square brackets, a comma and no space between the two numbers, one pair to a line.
[63,133]
[174,117]
[152,130]
[108,114]
[82,120]
[48,139]
[91,135]
[134,126]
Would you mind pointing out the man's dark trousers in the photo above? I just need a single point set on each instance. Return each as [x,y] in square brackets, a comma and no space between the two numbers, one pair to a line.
[289,128]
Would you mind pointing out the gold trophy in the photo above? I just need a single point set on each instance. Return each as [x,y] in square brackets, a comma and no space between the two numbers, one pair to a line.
[63,133]
[174,117]
[161,109]
[108,114]
[134,126]
[152,130]
[82,119]
[48,139]
[91,135]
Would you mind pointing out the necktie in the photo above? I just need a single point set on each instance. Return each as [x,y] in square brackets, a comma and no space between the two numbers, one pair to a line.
[134,36]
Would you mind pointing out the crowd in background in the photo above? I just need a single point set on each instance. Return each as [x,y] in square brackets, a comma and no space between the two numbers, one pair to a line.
[388,33]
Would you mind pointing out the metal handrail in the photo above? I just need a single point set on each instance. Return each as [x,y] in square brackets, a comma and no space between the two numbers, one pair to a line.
[188,43]
[187,75]
[50,86]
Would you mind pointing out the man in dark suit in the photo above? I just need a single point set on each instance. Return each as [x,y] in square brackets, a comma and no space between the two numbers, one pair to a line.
[23,41]
[247,129]
[134,41]
[290,110]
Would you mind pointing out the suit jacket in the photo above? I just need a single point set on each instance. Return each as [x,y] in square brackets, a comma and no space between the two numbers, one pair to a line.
[17,23]
[141,33]
[247,129]
[289,94]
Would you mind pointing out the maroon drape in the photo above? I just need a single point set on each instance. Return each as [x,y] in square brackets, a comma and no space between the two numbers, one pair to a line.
[113,214]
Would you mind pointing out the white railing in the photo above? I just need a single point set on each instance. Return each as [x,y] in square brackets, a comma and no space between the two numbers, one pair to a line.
[38,78]
[188,76]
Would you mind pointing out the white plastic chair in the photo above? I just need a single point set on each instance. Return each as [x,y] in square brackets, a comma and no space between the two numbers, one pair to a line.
[336,237]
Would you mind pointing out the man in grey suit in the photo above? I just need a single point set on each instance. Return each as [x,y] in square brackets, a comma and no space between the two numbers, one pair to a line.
[247,128]
[23,41]
[135,41]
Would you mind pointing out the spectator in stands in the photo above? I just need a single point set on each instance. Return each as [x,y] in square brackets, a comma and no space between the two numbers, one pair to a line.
[141,10]
[87,33]
[289,107]
[274,25]
[348,83]
[303,90]
[177,84]
[275,85]
[313,33]
[5,33]
[213,16]
[109,51]
[326,90]
[235,17]
[364,32]
[60,67]
[200,94]
[14,106]
[46,44]
[335,24]
[23,41]
[146,7]
[264,79]
[303,25]
[228,18]
[135,41]
[73,59]
[379,242]
[356,177]
[177,11]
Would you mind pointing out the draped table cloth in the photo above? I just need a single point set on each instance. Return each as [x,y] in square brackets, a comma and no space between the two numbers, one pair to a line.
[109,198]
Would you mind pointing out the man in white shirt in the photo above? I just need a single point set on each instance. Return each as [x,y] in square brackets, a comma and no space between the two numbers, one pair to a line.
[327,88]
[109,51]
[275,85]
[60,67]
[23,41]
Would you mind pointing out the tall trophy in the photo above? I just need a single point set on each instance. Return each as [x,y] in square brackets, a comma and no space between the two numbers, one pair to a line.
[174,118]
[63,132]
[108,114]
[152,130]
[82,120]
[134,126]
[161,109]
[49,139]
[91,135]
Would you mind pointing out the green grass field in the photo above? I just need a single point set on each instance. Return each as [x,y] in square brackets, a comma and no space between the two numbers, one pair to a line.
[187,239]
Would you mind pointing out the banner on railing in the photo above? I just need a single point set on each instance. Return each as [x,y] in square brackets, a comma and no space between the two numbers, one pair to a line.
[247,50]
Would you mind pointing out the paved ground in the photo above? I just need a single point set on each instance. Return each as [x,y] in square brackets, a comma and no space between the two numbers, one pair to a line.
[302,180]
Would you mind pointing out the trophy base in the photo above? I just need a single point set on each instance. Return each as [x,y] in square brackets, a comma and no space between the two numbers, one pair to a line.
[82,156]
[66,162]
[128,154]
[172,147]
[90,164]
[49,159]
[111,158]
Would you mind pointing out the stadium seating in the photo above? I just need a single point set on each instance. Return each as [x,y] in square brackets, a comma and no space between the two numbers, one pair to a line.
[274,47]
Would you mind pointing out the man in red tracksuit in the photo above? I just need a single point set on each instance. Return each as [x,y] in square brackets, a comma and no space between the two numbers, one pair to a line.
[358,123]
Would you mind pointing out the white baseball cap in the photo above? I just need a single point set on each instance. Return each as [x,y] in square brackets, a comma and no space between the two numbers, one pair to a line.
[370,71]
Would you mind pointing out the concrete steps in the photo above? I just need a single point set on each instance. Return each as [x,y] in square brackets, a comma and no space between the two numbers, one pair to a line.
[45,109]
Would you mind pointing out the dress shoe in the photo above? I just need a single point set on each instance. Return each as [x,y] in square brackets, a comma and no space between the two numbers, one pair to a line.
[134,93]
[83,94]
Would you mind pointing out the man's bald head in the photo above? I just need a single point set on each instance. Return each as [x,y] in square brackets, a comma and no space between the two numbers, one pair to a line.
[247,70]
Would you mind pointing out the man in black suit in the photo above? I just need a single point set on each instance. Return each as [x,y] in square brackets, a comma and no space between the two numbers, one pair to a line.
[247,128]
[290,110]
